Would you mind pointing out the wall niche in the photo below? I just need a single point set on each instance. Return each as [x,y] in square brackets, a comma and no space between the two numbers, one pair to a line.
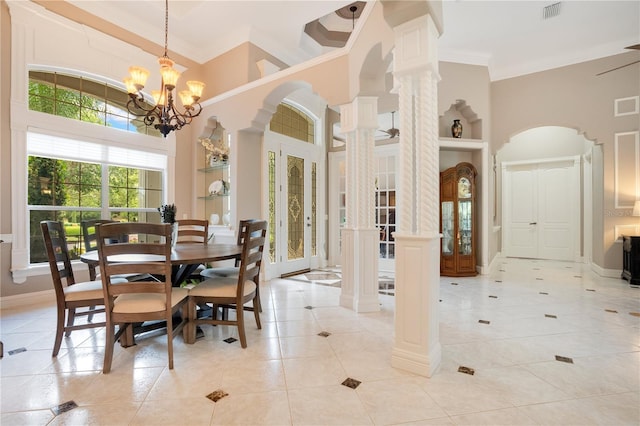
[471,124]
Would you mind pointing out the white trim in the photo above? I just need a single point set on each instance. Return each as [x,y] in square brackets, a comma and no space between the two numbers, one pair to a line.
[609,273]
[619,101]
[26,299]
[616,181]
[620,230]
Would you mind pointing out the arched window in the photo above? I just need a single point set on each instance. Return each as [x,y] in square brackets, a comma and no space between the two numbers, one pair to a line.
[292,122]
[80,98]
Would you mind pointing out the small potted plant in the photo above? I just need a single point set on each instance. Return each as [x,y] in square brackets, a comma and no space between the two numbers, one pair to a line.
[167,213]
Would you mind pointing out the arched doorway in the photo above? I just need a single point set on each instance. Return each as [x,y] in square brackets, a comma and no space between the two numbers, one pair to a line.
[546,192]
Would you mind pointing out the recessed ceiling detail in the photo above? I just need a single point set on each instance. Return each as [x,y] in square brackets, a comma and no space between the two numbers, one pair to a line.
[334,29]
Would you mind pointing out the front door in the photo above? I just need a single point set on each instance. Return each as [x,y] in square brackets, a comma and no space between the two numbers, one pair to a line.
[295,170]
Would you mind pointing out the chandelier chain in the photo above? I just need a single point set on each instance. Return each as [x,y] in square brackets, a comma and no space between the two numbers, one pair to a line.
[166,27]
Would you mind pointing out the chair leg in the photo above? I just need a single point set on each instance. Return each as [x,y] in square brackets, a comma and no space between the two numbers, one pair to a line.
[170,340]
[108,347]
[259,304]
[59,332]
[240,321]
[71,317]
[256,311]
[189,331]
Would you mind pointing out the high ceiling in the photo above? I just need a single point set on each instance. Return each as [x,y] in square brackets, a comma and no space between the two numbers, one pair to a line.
[511,37]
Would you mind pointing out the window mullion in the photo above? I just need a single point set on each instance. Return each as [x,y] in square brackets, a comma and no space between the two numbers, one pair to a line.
[105,214]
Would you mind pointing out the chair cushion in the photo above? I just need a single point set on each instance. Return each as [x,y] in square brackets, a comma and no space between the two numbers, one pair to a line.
[147,302]
[228,271]
[83,291]
[221,287]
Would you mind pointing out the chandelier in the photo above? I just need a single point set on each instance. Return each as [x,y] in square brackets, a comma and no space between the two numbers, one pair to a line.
[165,115]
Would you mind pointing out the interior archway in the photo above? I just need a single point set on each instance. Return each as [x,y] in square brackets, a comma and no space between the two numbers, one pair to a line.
[544,145]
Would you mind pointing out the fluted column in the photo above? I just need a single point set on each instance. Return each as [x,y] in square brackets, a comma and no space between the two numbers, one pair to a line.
[360,238]
[417,343]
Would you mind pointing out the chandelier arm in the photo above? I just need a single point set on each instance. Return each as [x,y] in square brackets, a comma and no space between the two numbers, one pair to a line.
[137,104]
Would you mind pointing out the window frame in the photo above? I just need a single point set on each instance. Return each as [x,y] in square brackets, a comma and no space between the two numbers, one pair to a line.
[25,121]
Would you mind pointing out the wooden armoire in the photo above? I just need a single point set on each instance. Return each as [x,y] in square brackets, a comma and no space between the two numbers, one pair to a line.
[458,221]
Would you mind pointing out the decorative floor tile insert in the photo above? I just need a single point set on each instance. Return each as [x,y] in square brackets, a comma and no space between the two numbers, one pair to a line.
[64,407]
[613,311]
[550,316]
[577,276]
[484,322]
[466,370]
[493,297]
[351,383]
[230,340]
[539,279]
[217,395]
[454,283]
[316,276]
[308,307]
[544,292]
[564,359]
[590,289]
[498,281]
[324,334]
[17,351]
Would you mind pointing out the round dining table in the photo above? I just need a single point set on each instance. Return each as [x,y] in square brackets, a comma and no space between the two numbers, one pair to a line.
[184,257]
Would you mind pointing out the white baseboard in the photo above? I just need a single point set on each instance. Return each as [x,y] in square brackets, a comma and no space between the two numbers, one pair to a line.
[25,299]
[610,273]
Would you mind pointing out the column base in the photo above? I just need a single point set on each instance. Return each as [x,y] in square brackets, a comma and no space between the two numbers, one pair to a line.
[423,365]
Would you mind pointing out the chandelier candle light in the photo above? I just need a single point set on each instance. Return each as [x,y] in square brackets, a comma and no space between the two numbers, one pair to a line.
[164,112]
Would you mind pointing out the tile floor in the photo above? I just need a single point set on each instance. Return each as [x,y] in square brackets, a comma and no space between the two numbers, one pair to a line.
[508,327]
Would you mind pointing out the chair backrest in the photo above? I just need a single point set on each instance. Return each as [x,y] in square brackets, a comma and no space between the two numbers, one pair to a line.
[242,227]
[119,258]
[55,241]
[89,233]
[253,238]
[193,231]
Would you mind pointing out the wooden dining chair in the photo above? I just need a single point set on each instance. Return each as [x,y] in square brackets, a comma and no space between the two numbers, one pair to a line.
[193,231]
[90,240]
[70,295]
[138,301]
[232,293]
[231,271]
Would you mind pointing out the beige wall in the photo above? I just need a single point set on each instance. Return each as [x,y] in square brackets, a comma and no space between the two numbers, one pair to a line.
[574,97]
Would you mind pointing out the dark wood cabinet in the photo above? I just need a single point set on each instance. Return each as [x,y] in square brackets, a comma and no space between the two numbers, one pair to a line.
[631,259]
[457,221]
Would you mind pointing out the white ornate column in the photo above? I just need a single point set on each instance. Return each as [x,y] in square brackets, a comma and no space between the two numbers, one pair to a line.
[360,237]
[417,342]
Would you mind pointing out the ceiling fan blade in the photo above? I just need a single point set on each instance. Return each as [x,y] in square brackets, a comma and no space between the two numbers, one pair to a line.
[617,68]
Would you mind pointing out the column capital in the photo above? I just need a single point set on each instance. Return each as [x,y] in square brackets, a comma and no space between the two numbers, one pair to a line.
[416,46]
[361,113]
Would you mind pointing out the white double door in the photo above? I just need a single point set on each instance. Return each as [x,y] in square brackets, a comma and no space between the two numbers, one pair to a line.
[541,209]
